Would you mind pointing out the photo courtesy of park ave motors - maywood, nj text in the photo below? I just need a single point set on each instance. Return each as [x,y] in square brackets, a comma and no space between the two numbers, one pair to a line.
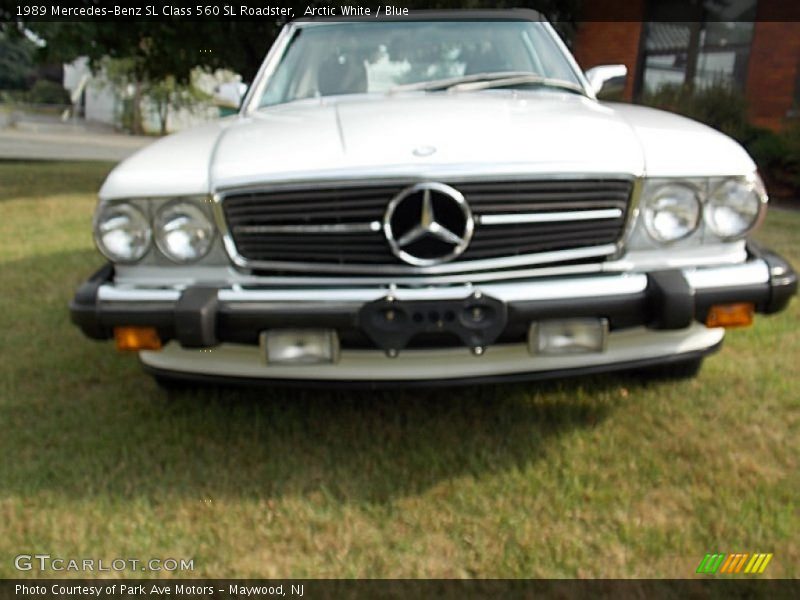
[298,295]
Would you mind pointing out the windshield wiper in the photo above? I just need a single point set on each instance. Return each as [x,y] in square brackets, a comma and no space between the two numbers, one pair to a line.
[449,82]
[514,80]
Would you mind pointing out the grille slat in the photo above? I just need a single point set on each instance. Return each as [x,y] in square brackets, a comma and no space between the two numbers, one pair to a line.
[576,238]
[516,206]
[539,229]
[480,198]
[301,216]
[314,239]
[253,208]
[362,204]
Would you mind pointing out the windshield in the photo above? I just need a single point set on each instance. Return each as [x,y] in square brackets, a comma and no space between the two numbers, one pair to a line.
[358,58]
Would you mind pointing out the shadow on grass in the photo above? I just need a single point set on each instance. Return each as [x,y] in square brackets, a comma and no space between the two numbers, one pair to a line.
[26,178]
[80,420]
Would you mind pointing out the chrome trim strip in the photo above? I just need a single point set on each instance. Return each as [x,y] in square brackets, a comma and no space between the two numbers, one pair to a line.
[580,287]
[271,60]
[235,277]
[549,217]
[632,216]
[111,293]
[584,287]
[576,69]
[753,272]
[750,273]
[371,227]
[458,267]
[707,255]
[634,262]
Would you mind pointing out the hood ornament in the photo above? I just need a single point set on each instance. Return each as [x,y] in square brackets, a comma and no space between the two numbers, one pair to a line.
[424,151]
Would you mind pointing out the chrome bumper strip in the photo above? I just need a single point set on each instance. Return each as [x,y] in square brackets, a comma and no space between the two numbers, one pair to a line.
[753,272]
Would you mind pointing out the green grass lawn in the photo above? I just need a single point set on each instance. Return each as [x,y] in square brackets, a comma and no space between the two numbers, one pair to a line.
[601,477]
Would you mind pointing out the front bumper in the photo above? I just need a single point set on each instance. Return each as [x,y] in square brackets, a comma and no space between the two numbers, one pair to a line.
[651,316]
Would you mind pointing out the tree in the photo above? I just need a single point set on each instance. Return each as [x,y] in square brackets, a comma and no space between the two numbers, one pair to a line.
[160,49]
[121,75]
[169,94]
[174,46]
[16,62]
[169,48]
[164,95]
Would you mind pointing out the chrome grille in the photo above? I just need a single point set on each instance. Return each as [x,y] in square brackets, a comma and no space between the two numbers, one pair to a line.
[337,227]
[518,198]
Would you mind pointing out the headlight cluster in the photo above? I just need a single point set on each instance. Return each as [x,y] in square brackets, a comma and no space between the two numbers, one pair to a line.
[733,208]
[182,230]
[123,233]
[672,211]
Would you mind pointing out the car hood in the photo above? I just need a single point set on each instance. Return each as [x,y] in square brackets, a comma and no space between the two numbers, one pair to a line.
[427,135]
[433,135]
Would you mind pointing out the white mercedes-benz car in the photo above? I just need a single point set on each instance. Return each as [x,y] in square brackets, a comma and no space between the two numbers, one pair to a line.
[436,198]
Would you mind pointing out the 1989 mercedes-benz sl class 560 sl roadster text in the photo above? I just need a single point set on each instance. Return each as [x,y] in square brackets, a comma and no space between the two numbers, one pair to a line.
[435,198]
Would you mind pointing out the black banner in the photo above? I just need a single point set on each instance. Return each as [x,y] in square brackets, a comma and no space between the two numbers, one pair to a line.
[286,10]
[83,589]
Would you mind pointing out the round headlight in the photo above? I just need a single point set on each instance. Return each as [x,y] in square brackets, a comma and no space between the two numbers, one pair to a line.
[734,207]
[671,213]
[183,231]
[122,233]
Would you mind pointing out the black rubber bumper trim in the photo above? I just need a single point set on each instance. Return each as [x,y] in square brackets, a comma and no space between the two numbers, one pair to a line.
[199,319]
[672,300]
[196,317]
[203,378]
[782,279]
[83,308]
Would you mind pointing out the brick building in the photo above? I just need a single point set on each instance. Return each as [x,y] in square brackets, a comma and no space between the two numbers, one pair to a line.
[744,44]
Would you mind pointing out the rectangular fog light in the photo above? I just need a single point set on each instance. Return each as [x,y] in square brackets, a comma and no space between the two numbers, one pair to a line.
[568,336]
[300,346]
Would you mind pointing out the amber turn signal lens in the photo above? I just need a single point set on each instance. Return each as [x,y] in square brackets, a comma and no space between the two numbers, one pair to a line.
[739,314]
[136,338]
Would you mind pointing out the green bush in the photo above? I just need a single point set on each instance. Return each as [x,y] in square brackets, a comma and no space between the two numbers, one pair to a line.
[766,147]
[717,105]
[721,107]
[790,164]
[48,92]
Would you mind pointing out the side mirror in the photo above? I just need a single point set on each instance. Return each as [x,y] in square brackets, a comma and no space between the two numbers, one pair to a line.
[608,79]
[231,94]
[242,91]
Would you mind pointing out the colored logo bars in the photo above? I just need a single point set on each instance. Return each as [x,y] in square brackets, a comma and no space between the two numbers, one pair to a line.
[734,563]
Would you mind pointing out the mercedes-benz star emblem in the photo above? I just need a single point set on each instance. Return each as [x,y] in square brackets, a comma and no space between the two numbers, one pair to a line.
[428,224]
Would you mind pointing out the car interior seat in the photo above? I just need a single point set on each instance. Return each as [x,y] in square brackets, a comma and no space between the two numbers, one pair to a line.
[487,61]
[341,74]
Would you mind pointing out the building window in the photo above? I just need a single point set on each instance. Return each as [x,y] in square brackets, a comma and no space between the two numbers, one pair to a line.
[703,48]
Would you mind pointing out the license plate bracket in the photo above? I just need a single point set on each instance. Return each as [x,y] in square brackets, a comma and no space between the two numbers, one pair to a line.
[477,320]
